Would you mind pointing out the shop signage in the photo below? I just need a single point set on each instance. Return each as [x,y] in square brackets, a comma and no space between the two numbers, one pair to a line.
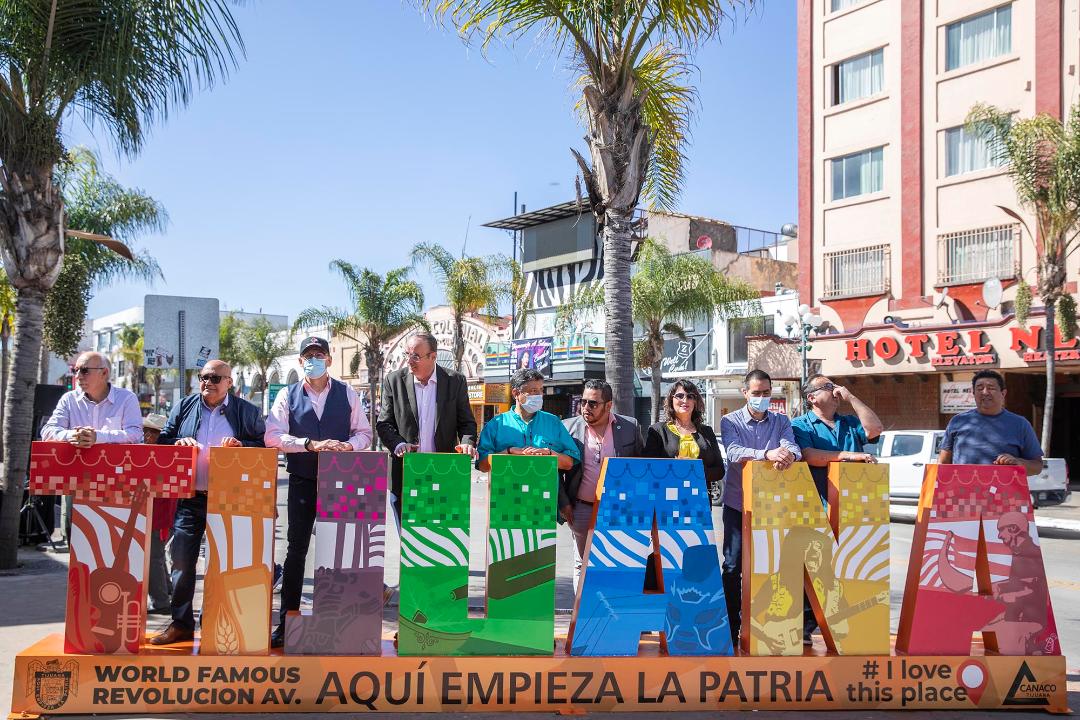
[957,348]
[497,393]
[476,393]
[778,405]
[956,397]
[532,354]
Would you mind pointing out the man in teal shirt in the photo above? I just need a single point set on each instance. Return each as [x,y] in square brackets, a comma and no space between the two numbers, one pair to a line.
[525,429]
[825,436]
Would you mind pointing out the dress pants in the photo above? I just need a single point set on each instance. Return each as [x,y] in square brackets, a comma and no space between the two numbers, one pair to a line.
[732,569]
[303,493]
[189,527]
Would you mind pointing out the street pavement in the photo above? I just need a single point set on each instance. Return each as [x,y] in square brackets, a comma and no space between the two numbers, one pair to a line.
[33,598]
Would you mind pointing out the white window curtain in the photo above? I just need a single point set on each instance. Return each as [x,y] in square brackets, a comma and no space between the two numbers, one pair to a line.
[857,272]
[967,151]
[858,174]
[838,5]
[860,77]
[979,38]
[976,256]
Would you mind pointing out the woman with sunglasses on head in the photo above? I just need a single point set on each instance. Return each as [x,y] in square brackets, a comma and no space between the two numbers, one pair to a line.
[683,434]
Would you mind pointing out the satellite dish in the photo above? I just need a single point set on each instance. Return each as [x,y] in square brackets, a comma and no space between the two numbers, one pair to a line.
[991,293]
[704,242]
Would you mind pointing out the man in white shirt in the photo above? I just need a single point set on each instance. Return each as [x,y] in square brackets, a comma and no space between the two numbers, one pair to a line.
[315,415]
[94,412]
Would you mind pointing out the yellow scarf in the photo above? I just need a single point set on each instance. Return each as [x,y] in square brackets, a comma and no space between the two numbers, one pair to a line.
[688,447]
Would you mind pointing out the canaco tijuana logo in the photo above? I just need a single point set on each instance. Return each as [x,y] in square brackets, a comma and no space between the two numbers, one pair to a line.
[1026,690]
[53,683]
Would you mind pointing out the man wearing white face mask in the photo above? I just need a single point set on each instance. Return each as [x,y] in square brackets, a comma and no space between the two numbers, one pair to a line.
[315,415]
[750,433]
[526,429]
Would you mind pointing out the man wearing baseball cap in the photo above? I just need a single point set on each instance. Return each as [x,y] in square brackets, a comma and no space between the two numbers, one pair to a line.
[314,415]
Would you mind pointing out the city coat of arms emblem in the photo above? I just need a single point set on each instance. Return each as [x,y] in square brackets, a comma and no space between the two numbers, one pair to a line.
[53,683]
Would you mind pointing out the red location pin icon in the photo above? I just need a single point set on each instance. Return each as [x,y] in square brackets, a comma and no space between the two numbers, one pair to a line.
[973,677]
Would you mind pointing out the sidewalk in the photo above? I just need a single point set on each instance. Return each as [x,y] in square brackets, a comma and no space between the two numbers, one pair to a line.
[1061,521]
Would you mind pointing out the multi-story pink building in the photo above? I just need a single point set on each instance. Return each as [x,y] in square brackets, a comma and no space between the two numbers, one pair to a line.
[898,220]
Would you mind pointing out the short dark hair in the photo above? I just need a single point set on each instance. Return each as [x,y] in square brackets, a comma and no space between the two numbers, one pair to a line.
[755,375]
[602,386]
[525,375]
[809,384]
[429,339]
[992,374]
[690,389]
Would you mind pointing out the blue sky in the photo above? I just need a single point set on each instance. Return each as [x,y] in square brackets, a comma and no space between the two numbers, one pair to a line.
[354,130]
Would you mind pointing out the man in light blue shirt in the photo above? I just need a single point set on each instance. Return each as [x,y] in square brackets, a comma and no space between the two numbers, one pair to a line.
[748,434]
[525,429]
[94,412]
[990,434]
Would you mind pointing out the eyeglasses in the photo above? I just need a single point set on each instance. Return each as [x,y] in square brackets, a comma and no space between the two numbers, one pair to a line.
[212,379]
[828,387]
[314,356]
[416,357]
[593,403]
[684,396]
[84,370]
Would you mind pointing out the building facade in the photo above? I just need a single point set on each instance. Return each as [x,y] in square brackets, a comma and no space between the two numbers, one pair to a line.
[902,246]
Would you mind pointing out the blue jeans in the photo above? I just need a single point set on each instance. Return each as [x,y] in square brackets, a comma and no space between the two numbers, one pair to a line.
[189,526]
[732,569]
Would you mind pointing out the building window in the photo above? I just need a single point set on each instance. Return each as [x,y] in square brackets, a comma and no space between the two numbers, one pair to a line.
[978,38]
[860,272]
[858,77]
[967,151]
[838,5]
[738,329]
[857,174]
[972,256]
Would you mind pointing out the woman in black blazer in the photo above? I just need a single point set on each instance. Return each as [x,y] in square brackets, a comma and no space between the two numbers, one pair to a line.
[682,434]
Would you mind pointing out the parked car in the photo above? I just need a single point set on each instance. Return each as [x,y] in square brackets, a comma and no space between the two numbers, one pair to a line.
[908,452]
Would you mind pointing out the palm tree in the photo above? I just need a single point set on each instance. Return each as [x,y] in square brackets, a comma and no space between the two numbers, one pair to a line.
[634,59]
[382,308]
[472,285]
[229,333]
[131,352]
[260,346]
[1043,158]
[120,66]
[7,321]
[667,292]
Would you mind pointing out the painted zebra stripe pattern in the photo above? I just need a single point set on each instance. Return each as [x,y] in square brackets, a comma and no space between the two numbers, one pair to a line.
[434,547]
[505,544]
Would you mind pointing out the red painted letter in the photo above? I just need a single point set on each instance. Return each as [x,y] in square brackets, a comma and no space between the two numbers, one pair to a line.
[918,344]
[947,343]
[1029,338]
[858,350]
[886,348]
[975,343]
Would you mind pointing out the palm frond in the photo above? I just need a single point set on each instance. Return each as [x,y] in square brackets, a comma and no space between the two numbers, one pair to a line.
[667,105]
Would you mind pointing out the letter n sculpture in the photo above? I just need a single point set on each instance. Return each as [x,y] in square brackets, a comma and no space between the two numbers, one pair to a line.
[435,557]
[239,571]
[350,546]
[112,488]
[976,566]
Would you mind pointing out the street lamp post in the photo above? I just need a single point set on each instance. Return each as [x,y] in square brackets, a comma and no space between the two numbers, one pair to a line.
[806,322]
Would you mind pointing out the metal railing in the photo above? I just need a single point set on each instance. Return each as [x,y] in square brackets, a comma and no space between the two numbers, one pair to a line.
[858,272]
[972,256]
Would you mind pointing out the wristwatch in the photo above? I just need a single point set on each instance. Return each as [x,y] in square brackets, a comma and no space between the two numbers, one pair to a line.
[307,445]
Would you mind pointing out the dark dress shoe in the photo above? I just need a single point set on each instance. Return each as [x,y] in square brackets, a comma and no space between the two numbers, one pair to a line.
[277,638]
[172,634]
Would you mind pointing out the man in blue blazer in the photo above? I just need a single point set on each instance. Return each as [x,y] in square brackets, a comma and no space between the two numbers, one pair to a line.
[209,418]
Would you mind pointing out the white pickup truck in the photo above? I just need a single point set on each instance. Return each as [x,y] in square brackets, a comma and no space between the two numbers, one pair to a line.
[908,452]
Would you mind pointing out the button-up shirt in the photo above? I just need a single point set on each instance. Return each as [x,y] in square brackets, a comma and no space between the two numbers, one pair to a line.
[597,447]
[213,428]
[116,419]
[845,435]
[277,422]
[746,439]
[542,430]
[426,412]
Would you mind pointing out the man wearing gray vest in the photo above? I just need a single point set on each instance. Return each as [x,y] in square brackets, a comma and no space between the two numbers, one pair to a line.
[314,415]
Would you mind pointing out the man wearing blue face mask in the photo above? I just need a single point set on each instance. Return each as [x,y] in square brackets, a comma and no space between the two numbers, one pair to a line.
[526,429]
[315,415]
[750,433]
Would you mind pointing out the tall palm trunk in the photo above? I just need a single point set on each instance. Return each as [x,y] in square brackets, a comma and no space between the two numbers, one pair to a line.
[19,416]
[657,380]
[5,337]
[619,330]
[374,359]
[1050,343]
[459,341]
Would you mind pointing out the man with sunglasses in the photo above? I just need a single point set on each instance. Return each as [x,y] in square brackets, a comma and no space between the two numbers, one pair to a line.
[425,408]
[317,414]
[95,411]
[826,436]
[211,417]
[598,433]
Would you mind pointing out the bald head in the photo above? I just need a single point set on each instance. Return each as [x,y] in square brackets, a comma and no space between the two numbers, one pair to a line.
[215,381]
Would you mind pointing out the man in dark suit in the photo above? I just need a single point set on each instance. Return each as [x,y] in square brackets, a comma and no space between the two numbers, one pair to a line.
[209,418]
[599,433]
[425,408]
